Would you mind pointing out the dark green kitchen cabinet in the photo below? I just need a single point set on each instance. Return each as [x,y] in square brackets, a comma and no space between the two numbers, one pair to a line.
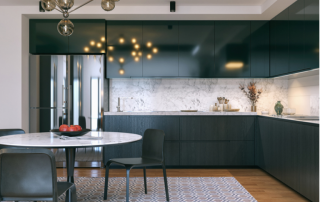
[279,44]
[259,49]
[121,64]
[311,37]
[289,151]
[44,38]
[296,36]
[196,49]
[160,49]
[88,37]
[232,49]
[124,33]
[193,128]
[217,153]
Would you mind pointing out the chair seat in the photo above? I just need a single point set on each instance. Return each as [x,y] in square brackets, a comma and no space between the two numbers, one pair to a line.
[63,187]
[135,161]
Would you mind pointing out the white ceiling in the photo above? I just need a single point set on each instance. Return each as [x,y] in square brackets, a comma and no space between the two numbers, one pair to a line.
[159,9]
[148,2]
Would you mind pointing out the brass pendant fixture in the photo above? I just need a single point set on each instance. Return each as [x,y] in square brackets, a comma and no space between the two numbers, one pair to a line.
[65,26]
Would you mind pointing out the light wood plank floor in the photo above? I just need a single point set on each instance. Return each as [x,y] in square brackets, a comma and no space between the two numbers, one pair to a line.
[260,185]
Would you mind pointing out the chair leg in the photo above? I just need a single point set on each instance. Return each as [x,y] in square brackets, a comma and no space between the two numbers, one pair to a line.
[73,194]
[145,180]
[106,182]
[165,181]
[128,180]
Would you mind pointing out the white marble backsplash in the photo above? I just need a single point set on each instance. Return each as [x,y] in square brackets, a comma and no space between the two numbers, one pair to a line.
[181,94]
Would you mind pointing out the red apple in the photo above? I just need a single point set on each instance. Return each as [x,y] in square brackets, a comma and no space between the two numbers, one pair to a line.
[78,127]
[63,127]
[72,129]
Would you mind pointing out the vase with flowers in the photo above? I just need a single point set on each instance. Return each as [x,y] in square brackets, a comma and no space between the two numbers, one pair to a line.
[253,94]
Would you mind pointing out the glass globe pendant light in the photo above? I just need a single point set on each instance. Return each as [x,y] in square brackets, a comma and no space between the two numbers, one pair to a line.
[66,4]
[107,5]
[65,27]
[48,5]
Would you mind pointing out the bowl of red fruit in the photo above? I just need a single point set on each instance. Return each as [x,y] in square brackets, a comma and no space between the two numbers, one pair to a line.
[71,131]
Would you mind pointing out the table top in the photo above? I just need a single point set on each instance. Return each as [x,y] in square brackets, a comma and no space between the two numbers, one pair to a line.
[51,140]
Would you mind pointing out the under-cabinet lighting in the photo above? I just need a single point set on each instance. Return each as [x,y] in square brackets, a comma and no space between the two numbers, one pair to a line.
[234,65]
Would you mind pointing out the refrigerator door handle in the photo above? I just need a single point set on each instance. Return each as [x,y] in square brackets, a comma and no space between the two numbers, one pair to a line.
[62,95]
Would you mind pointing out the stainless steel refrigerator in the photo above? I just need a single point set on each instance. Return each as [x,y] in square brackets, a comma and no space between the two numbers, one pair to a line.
[67,89]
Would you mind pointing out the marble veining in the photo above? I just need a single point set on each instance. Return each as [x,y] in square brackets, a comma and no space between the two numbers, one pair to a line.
[177,113]
[50,140]
[181,94]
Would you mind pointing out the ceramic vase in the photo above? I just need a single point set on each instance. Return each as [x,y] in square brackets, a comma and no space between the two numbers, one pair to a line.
[253,108]
[278,108]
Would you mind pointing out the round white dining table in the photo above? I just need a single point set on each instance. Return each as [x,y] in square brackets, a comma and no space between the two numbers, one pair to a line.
[51,140]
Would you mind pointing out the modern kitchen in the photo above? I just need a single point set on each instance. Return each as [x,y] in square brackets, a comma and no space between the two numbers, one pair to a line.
[153,100]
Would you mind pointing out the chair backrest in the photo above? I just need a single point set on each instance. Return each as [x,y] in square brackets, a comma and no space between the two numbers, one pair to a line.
[28,173]
[4,132]
[152,144]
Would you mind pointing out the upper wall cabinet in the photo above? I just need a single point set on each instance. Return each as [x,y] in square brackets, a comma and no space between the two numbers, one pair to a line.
[311,37]
[160,49]
[259,49]
[88,37]
[232,45]
[279,44]
[124,33]
[196,49]
[296,36]
[45,39]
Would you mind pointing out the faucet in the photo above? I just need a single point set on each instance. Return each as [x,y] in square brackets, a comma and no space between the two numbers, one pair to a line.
[119,98]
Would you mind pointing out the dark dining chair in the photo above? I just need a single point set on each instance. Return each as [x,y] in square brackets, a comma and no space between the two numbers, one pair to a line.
[5,132]
[152,155]
[30,175]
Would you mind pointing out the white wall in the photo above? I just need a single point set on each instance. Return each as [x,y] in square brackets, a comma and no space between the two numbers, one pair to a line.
[304,95]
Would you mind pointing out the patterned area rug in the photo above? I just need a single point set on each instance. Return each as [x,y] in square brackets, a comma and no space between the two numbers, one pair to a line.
[181,189]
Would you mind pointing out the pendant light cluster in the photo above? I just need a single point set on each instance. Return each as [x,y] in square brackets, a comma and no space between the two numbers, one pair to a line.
[65,26]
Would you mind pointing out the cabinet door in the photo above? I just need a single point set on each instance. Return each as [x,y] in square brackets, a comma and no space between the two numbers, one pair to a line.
[196,49]
[259,49]
[232,47]
[217,128]
[123,62]
[311,34]
[124,33]
[279,44]
[44,38]
[88,37]
[160,49]
[171,153]
[296,37]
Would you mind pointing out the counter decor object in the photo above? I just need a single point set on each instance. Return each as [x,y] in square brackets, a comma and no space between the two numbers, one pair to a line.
[232,110]
[278,108]
[253,94]
[289,111]
[70,133]
[190,110]
[265,112]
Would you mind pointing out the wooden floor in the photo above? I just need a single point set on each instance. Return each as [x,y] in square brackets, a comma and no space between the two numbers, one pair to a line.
[260,185]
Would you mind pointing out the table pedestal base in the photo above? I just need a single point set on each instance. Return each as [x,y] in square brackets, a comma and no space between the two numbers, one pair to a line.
[70,158]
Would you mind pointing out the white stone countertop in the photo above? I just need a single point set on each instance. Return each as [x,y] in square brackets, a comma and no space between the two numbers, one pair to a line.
[178,113]
[291,119]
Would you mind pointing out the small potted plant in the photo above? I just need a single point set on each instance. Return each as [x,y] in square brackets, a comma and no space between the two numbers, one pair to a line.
[253,94]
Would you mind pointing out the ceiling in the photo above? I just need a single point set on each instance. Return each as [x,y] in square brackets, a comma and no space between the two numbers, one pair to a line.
[148,2]
[159,9]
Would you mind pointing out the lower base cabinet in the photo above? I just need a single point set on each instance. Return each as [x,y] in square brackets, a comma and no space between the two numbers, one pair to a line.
[290,152]
[217,153]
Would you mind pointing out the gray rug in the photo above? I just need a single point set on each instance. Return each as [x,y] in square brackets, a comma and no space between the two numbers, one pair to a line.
[181,189]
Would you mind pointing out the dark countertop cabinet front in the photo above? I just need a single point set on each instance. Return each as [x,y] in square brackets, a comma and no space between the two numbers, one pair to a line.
[232,49]
[196,49]
[259,49]
[160,59]
[289,151]
[88,37]
[279,44]
[44,38]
